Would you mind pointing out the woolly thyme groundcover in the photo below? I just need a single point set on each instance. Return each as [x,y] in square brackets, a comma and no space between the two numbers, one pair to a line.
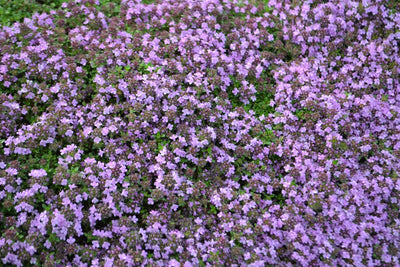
[201,133]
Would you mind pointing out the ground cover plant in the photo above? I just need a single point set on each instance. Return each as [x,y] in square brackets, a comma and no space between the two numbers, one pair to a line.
[17,10]
[201,133]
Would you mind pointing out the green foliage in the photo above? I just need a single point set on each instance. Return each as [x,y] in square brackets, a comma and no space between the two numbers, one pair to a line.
[213,209]
[110,8]
[146,68]
[303,113]
[7,210]
[262,104]
[2,146]
[89,236]
[53,238]
[162,140]
[120,71]
[17,10]
[267,137]
[267,8]
[234,99]
[276,197]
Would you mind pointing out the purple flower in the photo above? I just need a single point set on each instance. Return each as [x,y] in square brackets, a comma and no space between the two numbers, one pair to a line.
[38,173]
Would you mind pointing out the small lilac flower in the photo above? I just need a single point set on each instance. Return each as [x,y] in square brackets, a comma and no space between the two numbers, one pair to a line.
[38,173]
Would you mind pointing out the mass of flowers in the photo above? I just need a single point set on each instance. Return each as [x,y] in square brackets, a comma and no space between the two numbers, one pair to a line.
[201,133]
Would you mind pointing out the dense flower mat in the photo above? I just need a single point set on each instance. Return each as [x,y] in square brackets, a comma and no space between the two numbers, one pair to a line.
[201,133]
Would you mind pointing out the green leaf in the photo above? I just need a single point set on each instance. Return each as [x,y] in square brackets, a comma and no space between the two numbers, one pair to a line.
[213,209]
[53,238]
[343,146]
[181,202]
[209,150]
[46,207]
[89,236]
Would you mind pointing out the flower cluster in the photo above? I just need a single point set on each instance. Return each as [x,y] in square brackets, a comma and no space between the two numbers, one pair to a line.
[201,133]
